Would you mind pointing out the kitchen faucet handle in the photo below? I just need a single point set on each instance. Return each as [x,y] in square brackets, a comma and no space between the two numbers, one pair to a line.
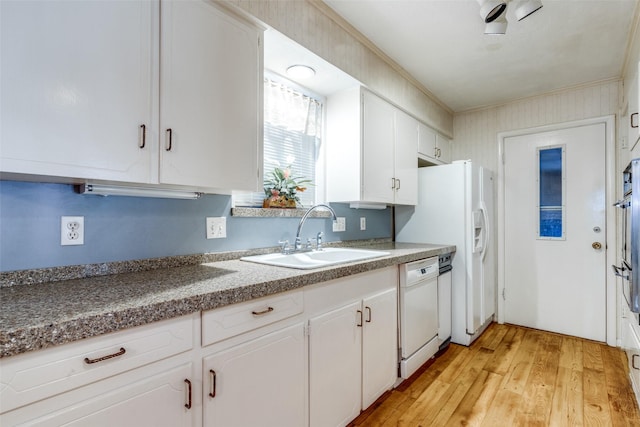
[319,241]
[284,247]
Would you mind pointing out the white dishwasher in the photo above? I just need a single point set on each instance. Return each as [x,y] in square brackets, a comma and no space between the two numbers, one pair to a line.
[418,314]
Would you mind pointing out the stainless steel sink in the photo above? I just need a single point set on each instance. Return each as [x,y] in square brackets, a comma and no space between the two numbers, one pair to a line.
[315,259]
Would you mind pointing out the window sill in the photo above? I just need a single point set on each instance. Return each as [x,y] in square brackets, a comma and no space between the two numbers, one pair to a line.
[277,213]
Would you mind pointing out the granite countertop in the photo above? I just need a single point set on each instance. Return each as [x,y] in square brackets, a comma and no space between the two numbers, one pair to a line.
[37,316]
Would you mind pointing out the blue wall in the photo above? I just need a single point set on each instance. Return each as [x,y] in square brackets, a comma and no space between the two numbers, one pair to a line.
[129,228]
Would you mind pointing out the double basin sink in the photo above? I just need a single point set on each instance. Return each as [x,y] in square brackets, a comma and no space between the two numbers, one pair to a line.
[316,259]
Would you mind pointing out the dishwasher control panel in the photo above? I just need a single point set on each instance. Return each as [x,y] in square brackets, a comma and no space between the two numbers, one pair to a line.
[418,271]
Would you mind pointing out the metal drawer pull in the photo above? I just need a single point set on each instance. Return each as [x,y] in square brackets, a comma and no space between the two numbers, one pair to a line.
[632,121]
[144,136]
[633,361]
[260,313]
[212,380]
[170,139]
[393,183]
[398,187]
[188,404]
[360,315]
[107,357]
[368,314]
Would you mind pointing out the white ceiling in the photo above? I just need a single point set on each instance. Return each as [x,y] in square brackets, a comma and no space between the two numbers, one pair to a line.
[441,44]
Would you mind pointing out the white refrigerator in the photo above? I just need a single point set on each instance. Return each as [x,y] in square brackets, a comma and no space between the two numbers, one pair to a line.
[455,206]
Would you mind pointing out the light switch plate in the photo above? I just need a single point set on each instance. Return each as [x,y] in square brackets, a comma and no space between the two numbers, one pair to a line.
[339,224]
[216,227]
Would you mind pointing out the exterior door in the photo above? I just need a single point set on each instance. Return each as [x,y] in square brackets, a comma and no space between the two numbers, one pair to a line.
[555,231]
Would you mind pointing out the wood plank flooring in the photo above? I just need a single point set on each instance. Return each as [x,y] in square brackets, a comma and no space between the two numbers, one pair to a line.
[514,376]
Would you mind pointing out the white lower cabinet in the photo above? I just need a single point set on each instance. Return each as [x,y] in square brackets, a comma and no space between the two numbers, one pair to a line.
[258,383]
[335,354]
[143,377]
[352,347]
[149,397]
[379,345]
[631,344]
[314,356]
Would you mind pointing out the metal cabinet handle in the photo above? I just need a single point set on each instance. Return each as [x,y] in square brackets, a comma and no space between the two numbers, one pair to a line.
[360,317]
[143,142]
[393,183]
[633,361]
[107,357]
[398,186]
[188,404]
[265,311]
[368,314]
[619,271]
[212,381]
[170,140]
[632,121]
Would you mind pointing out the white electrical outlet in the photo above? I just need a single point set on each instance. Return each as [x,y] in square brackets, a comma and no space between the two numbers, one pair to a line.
[72,230]
[339,224]
[216,227]
[363,223]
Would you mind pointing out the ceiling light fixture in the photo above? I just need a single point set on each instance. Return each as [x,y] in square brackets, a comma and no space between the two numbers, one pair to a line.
[490,10]
[494,13]
[497,27]
[117,190]
[527,8]
[299,71]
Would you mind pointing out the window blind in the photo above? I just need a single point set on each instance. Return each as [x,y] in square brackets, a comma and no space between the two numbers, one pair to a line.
[292,137]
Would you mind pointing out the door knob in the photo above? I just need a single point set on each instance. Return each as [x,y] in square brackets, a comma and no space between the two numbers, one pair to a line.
[596,245]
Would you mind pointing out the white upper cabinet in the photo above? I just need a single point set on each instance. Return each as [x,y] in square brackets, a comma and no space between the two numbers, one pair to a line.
[134,91]
[371,150]
[405,165]
[633,96]
[211,98]
[433,147]
[77,84]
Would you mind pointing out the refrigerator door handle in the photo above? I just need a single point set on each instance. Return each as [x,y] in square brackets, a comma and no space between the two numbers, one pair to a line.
[486,231]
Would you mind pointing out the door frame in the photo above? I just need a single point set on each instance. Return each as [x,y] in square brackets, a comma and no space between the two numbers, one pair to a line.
[611,235]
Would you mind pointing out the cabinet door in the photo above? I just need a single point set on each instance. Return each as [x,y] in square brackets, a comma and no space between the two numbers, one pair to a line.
[259,383]
[379,345]
[211,98]
[378,149]
[444,149]
[154,400]
[633,108]
[406,161]
[631,345]
[335,350]
[427,141]
[77,86]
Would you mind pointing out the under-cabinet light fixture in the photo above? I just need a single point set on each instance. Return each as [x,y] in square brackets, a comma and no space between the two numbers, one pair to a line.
[116,190]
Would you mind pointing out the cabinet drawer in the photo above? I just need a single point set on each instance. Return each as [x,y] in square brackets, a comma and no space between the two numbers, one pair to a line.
[34,376]
[236,319]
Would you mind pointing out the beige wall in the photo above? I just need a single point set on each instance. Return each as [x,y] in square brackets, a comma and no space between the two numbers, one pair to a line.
[314,26]
[476,132]
[633,57]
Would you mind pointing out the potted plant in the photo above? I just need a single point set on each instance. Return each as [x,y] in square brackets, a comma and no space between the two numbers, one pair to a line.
[281,189]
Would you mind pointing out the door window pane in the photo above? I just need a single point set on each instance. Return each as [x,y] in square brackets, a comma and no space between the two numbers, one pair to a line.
[551,193]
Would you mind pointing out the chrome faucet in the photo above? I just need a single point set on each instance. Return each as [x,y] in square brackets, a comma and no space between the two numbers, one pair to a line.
[298,244]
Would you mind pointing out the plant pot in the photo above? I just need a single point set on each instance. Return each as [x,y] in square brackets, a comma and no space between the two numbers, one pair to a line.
[279,202]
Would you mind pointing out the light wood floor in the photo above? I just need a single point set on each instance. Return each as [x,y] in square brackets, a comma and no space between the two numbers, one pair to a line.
[514,376]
